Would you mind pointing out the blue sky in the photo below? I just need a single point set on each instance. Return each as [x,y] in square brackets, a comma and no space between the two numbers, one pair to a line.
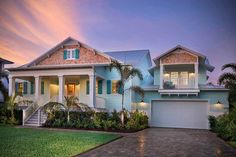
[29,28]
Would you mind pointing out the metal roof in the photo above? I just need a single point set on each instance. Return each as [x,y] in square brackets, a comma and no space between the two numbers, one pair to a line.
[131,57]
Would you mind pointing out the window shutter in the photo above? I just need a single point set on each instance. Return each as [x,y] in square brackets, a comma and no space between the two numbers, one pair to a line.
[108,86]
[42,87]
[65,54]
[99,86]
[25,88]
[16,87]
[76,53]
[87,87]
[119,89]
[32,88]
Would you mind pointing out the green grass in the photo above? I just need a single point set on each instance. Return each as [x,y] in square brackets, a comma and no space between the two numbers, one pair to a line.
[233,144]
[35,142]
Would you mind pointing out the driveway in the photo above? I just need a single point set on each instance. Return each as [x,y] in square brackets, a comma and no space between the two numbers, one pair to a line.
[162,142]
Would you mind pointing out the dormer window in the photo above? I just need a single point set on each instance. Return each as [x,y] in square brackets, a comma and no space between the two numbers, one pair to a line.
[70,54]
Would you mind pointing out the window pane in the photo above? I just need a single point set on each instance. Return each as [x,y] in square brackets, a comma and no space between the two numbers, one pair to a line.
[73,54]
[114,87]
[68,53]
[184,78]
[174,77]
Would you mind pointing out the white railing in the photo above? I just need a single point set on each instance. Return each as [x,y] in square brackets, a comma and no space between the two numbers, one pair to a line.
[35,107]
[30,110]
[100,102]
[179,83]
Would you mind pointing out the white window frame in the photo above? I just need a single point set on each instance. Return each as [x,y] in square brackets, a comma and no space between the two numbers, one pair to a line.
[70,54]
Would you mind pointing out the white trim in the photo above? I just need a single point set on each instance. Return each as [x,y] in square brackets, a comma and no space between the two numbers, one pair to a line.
[178,90]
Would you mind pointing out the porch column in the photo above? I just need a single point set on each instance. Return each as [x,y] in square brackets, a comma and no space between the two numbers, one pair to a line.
[61,88]
[11,89]
[37,87]
[161,76]
[196,75]
[92,95]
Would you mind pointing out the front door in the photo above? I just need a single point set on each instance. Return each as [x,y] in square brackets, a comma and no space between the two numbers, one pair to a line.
[71,89]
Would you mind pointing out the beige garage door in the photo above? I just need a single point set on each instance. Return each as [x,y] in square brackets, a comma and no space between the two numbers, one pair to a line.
[179,114]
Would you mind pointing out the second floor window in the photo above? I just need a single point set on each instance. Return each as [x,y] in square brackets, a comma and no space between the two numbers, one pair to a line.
[70,53]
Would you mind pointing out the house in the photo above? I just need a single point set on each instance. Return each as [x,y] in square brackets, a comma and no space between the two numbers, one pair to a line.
[3,78]
[176,93]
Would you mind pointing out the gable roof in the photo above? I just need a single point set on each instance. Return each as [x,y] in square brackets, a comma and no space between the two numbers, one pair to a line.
[64,42]
[131,57]
[179,47]
[4,61]
[206,61]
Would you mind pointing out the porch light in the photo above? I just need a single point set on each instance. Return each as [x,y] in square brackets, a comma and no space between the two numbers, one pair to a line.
[142,103]
[219,105]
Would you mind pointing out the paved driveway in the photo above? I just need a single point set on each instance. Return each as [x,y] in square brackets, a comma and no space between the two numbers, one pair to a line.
[160,142]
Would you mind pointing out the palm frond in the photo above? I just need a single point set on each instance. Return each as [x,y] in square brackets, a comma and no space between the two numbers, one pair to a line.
[116,65]
[227,77]
[135,72]
[230,65]
[139,91]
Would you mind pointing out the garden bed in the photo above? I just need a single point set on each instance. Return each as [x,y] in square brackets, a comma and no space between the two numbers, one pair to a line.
[98,121]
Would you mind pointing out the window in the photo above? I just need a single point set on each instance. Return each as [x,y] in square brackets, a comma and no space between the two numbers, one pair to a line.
[184,78]
[70,54]
[20,88]
[114,87]
[174,77]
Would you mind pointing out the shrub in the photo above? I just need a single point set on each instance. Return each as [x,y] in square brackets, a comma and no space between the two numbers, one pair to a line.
[226,126]
[212,122]
[98,120]
[5,116]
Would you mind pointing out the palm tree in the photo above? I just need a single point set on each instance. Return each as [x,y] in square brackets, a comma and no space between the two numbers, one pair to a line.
[139,91]
[11,105]
[70,101]
[229,80]
[126,73]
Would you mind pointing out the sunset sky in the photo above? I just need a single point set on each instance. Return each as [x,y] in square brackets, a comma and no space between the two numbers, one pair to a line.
[30,28]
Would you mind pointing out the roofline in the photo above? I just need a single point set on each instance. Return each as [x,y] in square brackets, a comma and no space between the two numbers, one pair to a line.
[61,66]
[5,61]
[182,47]
[57,46]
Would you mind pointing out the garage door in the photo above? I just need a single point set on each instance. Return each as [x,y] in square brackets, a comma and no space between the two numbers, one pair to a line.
[179,114]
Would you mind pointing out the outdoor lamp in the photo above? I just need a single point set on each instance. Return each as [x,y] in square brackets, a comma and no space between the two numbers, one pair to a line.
[218,105]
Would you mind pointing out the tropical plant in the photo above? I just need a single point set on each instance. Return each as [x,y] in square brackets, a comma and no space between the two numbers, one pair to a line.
[229,80]
[69,103]
[126,73]
[11,105]
[139,91]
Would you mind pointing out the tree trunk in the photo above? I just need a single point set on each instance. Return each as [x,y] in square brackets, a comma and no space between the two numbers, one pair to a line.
[122,110]
[68,116]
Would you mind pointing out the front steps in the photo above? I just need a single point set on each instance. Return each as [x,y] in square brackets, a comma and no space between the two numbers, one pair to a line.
[34,119]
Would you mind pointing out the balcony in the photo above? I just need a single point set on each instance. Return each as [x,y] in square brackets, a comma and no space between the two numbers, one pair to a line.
[179,80]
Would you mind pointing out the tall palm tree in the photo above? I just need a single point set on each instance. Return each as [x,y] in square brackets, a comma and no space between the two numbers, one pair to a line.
[229,80]
[126,73]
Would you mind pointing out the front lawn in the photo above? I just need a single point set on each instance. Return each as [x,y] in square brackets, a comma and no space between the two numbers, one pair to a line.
[34,142]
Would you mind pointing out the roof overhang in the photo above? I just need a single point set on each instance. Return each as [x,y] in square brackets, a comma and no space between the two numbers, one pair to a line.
[178,92]
[61,66]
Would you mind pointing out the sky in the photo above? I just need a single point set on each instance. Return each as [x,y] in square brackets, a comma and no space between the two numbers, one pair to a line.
[28,28]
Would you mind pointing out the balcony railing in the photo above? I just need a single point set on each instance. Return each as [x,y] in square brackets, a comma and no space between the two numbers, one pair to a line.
[179,84]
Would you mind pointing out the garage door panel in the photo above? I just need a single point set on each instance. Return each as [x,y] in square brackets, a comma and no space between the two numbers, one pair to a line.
[179,114]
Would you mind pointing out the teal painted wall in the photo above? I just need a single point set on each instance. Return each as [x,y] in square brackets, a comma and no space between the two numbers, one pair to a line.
[157,76]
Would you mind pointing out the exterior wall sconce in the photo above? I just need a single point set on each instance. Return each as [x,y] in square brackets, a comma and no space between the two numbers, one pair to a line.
[218,105]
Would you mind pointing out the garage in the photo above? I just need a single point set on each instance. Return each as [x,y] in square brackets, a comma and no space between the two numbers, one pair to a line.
[179,114]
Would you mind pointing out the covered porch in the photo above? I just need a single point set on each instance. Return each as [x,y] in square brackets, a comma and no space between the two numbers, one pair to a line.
[52,85]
